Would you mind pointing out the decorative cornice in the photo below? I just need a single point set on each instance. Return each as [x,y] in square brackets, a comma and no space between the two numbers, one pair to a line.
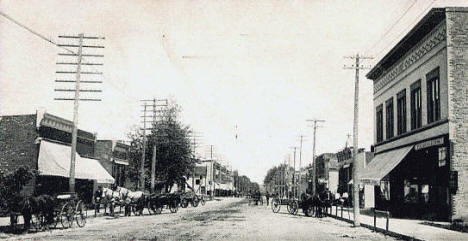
[430,41]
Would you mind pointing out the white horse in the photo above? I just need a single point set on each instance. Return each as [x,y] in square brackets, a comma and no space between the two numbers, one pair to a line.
[132,198]
[110,197]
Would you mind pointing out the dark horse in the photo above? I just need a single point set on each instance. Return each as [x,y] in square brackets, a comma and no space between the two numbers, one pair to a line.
[41,206]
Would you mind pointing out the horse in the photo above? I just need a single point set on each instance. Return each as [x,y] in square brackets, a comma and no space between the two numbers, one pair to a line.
[39,206]
[130,197]
[109,197]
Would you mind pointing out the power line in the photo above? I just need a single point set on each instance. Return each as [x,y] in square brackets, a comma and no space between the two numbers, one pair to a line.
[392,26]
[70,52]
[404,31]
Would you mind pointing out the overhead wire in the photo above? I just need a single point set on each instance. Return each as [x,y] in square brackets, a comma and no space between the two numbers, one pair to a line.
[404,31]
[64,48]
[392,26]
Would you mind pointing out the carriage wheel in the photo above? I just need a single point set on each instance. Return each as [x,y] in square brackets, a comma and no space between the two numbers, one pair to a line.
[202,201]
[275,205]
[174,207]
[195,202]
[80,214]
[66,215]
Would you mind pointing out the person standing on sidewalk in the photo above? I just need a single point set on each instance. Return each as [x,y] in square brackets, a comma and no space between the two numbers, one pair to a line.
[267,196]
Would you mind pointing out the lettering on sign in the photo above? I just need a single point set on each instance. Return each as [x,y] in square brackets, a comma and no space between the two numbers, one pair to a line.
[426,144]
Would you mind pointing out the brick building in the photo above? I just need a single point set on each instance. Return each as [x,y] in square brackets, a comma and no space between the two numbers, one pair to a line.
[41,141]
[113,156]
[421,112]
[327,172]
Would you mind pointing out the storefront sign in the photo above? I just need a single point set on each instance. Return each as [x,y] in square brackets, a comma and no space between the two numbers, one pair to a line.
[426,144]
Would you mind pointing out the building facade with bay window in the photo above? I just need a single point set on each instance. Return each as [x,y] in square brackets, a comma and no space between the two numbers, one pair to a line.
[420,168]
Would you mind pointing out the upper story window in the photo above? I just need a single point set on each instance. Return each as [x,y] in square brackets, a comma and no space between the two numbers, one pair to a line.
[401,112]
[379,122]
[389,118]
[416,120]
[433,96]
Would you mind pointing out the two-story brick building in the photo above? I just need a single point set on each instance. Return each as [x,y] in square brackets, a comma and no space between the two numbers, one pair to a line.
[421,113]
[41,141]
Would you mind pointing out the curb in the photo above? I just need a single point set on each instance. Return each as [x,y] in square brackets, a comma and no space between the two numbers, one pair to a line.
[377,229]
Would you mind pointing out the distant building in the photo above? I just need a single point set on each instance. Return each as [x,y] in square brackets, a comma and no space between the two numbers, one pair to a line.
[42,141]
[345,167]
[327,172]
[113,156]
[199,180]
[421,112]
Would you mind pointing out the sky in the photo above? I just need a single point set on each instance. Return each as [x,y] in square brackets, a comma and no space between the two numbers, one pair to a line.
[252,69]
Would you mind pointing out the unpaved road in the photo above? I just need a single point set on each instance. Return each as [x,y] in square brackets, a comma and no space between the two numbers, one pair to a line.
[226,219]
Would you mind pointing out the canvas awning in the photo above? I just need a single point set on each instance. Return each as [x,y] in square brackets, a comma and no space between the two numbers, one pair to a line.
[54,160]
[383,164]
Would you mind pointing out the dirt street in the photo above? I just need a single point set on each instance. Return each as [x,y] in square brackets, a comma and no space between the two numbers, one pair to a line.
[225,219]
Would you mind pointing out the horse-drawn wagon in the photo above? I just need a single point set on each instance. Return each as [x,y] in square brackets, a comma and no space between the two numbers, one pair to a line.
[156,202]
[45,211]
[256,199]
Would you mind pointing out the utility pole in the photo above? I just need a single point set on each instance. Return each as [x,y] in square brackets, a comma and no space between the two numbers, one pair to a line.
[64,72]
[314,164]
[300,163]
[152,109]
[143,151]
[212,171]
[294,174]
[356,167]
[194,148]
[157,108]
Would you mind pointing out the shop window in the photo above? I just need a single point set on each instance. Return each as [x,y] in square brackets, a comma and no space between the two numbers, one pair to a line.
[433,96]
[416,120]
[411,192]
[379,123]
[401,112]
[389,117]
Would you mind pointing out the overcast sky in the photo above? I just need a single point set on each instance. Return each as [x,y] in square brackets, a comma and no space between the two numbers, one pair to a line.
[265,66]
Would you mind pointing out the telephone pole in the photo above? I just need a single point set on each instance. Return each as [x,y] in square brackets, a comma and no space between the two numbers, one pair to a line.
[194,143]
[212,171]
[314,164]
[156,110]
[294,174]
[66,64]
[300,162]
[356,167]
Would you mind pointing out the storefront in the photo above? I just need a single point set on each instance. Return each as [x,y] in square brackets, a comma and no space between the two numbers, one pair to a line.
[54,170]
[413,181]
